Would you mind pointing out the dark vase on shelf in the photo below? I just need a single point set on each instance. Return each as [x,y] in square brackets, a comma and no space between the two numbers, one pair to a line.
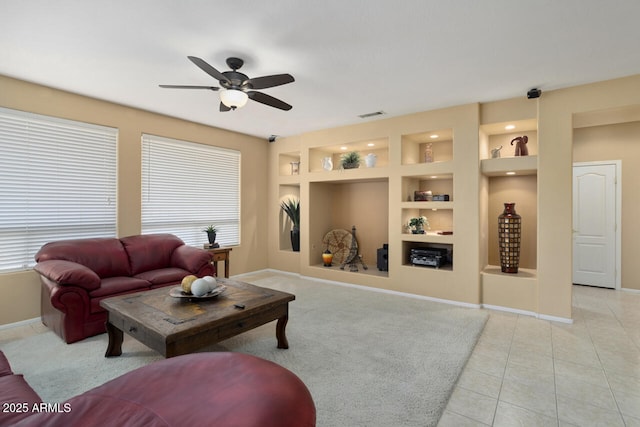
[295,239]
[509,233]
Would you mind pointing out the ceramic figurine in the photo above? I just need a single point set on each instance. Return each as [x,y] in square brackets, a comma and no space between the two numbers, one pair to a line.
[327,163]
[370,160]
[521,145]
[495,153]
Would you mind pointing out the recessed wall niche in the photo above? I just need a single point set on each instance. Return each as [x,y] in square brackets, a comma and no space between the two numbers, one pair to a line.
[286,192]
[343,204]
[521,190]
[427,147]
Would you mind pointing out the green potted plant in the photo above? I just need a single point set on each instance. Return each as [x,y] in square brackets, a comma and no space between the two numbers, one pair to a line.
[417,225]
[350,160]
[291,208]
[211,231]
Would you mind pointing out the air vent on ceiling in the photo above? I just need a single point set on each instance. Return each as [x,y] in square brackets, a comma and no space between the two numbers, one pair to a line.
[375,113]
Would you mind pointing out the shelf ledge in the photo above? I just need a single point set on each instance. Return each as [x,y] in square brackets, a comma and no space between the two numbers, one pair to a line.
[521,165]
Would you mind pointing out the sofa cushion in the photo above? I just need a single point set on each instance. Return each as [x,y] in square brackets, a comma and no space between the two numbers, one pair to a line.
[118,285]
[16,390]
[163,276]
[212,389]
[105,256]
[150,251]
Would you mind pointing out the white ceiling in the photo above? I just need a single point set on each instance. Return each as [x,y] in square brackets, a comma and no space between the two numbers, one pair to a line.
[349,57]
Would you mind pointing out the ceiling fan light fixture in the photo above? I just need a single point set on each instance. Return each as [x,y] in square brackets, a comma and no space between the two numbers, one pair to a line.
[233,98]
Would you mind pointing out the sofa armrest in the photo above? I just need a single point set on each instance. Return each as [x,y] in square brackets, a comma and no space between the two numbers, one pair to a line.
[195,260]
[67,273]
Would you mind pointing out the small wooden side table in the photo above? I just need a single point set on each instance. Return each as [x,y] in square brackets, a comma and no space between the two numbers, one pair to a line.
[220,254]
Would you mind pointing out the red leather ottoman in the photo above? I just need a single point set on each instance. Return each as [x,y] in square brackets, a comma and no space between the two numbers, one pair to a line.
[214,389]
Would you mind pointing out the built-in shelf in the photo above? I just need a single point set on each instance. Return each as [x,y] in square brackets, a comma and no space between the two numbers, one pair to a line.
[428,237]
[513,291]
[285,167]
[438,143]
[428,169]
[286,191]
[426,205]
[523,273]
[335,269]
[379,148]
[437,184]
[350,175]
[522,165]
[408,245]
[289,180]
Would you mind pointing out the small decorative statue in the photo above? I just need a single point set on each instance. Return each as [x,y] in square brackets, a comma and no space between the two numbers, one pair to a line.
[495,153]
[521,145]
[327,163]
[354,257]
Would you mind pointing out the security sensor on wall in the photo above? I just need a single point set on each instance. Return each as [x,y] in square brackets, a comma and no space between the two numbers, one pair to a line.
[534,93]
[272,138]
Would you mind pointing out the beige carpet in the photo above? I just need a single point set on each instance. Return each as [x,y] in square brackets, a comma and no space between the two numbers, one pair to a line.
[368,358]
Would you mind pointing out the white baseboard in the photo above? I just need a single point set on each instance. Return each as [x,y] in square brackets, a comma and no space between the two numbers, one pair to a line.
[528,313]
[20,323]
[368,288]
[422,297]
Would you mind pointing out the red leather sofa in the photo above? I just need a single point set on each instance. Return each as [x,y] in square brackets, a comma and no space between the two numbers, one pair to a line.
[202,389]
[77,274]
[16,395]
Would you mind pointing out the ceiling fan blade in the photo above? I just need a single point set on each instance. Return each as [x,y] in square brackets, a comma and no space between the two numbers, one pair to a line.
[269,100]
[269,81]
[224,107]
[188,87]
[204,66]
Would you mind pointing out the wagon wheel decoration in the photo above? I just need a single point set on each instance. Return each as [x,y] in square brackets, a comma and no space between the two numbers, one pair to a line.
[339,242]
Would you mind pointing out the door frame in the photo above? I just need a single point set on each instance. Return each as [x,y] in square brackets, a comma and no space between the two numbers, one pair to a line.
[618,205]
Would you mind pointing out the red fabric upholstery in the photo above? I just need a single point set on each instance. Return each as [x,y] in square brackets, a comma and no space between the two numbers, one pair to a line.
[216,389]
[77,274]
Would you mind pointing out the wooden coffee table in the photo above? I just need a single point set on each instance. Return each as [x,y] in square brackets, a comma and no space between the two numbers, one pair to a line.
[175,326]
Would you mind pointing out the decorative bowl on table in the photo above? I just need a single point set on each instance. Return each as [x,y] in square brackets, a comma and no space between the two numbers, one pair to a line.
[178,292]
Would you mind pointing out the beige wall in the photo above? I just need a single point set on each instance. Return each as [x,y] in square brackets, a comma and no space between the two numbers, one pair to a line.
[557,113]
[618,142]
[546,288]
[21,293]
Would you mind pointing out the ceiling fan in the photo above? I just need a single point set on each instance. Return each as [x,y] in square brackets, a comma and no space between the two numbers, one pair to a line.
[237,88]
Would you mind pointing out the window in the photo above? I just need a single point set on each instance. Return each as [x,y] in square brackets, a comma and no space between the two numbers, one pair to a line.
[57,181]
[187,186]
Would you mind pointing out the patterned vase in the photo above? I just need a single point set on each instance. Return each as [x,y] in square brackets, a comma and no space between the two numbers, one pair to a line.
[509,231]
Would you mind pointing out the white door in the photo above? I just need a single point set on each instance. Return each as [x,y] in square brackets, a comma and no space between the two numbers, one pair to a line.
[594,224]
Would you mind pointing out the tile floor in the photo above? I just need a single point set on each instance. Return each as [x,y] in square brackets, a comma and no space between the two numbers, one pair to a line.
[530,372]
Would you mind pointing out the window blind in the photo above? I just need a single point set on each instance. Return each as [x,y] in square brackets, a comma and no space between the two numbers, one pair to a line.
[57,181]
[186,186]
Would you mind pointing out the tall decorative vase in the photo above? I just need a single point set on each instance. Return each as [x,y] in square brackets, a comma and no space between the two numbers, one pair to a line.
[509,232]
[295,239]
